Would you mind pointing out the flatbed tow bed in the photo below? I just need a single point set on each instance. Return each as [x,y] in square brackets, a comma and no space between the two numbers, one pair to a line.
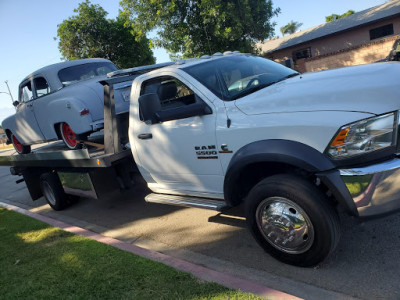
[56,155]
[61,175]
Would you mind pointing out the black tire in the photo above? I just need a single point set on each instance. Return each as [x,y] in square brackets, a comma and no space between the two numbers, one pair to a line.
[53,191]
[21,149]
[292,220]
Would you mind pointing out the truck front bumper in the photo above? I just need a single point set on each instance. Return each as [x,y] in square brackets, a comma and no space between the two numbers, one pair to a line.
[375,189]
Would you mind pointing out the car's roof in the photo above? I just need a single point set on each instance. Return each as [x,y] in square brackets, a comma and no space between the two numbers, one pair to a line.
[54,68]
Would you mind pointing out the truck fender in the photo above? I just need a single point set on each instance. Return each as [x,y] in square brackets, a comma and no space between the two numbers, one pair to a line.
[290,153]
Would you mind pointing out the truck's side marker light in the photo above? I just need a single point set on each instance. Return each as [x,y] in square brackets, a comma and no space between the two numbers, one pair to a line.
[340,138]
[98,162]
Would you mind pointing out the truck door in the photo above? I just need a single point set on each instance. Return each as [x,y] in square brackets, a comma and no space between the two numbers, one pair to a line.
[177,155]
[27,126]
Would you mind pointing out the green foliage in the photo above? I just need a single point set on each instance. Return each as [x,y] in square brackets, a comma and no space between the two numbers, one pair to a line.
[333,17]
[42,262]
[193,28]
[290,28]
[89,34]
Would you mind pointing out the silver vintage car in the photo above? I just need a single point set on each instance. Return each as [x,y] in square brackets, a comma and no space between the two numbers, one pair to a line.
[63,101]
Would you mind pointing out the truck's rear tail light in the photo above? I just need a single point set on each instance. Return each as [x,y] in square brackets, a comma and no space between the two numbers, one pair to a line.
[84,112]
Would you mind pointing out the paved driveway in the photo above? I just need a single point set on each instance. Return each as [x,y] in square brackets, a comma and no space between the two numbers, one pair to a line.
[366,264]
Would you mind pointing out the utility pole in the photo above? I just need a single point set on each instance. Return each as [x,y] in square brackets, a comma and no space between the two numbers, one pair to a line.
[9,93]
[6,82]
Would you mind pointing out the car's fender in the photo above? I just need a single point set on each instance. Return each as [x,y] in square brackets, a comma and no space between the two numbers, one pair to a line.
[67,110]
[9,125]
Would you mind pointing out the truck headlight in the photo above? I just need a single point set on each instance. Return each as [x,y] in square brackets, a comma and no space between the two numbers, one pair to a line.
[364,136]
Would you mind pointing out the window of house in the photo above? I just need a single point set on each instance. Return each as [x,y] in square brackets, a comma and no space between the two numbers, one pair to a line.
[302,53]
[382,31]
[26,92]
[42,88]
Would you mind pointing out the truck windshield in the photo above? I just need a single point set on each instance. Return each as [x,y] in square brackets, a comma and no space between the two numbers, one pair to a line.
[73,74]
[236,76]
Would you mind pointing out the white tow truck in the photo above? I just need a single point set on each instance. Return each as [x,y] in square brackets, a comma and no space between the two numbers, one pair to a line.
[221,130]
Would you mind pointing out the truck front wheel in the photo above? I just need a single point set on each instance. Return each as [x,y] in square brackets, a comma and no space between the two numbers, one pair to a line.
[292,220]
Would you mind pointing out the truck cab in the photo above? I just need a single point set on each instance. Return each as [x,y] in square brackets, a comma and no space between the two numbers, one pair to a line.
[238,128]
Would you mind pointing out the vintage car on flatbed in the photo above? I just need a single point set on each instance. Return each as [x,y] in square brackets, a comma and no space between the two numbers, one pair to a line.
[63,101]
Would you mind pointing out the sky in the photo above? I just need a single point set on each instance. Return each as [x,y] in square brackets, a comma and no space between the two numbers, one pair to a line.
[28,29]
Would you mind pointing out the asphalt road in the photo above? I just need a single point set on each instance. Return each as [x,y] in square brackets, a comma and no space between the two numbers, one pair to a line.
[365,265]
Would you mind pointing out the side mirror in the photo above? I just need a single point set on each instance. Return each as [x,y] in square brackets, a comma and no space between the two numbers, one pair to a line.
[16,103]
[183,112]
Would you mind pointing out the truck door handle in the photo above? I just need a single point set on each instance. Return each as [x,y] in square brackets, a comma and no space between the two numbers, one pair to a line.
[145,136]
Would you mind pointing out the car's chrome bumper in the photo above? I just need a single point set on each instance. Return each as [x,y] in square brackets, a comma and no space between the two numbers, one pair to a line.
[375,189]
[97,125]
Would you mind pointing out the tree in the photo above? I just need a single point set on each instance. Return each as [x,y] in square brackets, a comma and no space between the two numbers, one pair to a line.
[193,28]
[333,17]
[89,34]
[290,28]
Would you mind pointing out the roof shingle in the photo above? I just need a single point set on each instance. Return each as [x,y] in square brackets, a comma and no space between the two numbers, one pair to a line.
[388,9]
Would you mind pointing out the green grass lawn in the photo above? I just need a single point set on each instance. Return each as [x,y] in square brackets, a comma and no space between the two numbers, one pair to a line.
[4,146]
[38,261]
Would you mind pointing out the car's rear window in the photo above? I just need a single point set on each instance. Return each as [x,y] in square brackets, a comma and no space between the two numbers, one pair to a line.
[85,71]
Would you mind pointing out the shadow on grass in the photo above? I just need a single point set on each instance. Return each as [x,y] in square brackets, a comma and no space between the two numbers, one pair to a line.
[39,261]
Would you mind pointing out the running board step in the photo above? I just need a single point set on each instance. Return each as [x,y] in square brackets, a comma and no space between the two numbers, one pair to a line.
[205,203]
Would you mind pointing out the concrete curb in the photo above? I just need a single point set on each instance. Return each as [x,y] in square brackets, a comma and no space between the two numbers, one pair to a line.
[200,272]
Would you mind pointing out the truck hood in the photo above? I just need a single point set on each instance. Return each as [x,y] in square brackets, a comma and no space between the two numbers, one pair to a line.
[370,88]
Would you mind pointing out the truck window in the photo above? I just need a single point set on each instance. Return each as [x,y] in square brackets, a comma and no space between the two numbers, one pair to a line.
[42,88]
[26,92]
[171,92]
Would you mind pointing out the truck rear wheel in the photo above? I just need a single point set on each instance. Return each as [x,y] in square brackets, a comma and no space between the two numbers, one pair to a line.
[53,191]
[21,149]
[292,220]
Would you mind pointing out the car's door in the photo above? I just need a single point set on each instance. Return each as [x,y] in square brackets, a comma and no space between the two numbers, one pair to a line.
[27,126]
[41,106]
[179,155]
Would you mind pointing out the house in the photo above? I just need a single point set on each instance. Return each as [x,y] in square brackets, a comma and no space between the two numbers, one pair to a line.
[364,37]
[3,137]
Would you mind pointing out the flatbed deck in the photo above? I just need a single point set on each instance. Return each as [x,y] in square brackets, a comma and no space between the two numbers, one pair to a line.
[57,155]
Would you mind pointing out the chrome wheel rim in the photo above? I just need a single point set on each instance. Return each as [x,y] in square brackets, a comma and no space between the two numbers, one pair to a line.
[48,192]
[285,225]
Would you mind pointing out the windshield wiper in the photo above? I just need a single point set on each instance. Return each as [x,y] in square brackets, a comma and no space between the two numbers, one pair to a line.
[287,77]
[261,86]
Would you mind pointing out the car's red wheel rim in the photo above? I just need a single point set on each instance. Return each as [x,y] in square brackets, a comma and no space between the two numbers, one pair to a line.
[69,135]
[17,144]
